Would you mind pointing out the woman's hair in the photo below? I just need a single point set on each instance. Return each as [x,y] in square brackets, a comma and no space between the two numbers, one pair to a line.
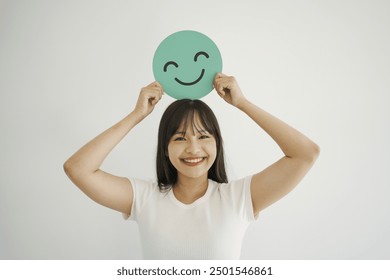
[182,112]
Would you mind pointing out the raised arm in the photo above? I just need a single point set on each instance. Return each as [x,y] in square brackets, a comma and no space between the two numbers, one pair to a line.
[83,167]
[274,182]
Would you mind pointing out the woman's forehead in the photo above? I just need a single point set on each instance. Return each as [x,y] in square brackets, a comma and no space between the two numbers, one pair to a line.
[193,128]
[193,124]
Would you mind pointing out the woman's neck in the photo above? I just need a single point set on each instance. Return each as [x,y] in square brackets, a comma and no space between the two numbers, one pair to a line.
[187,190]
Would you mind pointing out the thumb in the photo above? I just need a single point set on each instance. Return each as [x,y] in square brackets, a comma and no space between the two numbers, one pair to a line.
[220,75]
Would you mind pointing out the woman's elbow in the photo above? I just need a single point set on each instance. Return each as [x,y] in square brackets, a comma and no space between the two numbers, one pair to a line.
[313,152]
[70,168]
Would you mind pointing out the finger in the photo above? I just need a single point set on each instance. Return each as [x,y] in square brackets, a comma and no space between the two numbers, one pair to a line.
[220,91]
[158,86]
[219,88]
[151,84]
[221,94]
[153,101]
[155,94]
[222,85]
[155,85]
[154,89]
[217,82]
[220,75]
[216,79]
[224,81]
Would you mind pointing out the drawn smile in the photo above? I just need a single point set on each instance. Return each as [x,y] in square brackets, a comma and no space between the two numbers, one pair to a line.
[191,83]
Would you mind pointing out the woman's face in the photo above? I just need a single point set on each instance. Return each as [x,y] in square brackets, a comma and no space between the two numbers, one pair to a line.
[193,153]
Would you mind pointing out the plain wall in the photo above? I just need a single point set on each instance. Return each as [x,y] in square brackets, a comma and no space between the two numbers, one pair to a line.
[71,69]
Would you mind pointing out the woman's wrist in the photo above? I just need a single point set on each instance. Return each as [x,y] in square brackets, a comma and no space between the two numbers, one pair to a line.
[243,104]
[138,116]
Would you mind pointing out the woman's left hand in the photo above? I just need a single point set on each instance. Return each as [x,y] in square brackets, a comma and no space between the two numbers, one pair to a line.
[227,87]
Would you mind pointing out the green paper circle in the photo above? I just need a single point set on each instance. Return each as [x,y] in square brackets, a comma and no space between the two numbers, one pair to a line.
[185,64]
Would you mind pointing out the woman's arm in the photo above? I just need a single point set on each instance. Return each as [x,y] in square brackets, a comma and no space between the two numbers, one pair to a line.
[300,152]
[83,168]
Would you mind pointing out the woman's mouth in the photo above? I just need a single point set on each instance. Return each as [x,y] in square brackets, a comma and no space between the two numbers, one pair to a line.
[193,161]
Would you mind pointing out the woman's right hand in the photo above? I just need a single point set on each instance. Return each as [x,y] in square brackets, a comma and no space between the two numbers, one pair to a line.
[148,98]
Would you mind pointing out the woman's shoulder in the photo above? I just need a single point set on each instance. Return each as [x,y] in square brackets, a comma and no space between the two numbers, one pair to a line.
[144,187]
[244,181]
[234,187]
[142,182]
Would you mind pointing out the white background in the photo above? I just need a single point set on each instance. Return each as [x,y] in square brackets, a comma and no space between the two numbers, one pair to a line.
[71,69]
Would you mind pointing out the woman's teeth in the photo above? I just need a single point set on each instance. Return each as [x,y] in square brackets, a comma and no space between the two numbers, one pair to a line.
[194,160]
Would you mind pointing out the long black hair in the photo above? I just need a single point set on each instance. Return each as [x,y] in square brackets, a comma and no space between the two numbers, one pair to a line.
[178,113]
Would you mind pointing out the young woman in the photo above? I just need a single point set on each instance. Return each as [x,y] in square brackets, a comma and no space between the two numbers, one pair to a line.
[192,212]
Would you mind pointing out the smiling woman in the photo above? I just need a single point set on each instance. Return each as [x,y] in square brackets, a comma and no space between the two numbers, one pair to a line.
[185,64]
[192,211]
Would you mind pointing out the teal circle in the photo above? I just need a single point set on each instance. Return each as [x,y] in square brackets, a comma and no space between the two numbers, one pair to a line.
[185,64]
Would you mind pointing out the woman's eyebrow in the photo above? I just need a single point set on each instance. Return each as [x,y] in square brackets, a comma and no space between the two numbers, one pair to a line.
[201,131]
[180,132]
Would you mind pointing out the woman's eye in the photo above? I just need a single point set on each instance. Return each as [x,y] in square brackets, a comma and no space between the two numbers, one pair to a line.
[204,137]
[180,139]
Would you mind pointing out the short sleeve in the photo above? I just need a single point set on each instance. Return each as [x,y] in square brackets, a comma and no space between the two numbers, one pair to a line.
[142,190]
[239,193]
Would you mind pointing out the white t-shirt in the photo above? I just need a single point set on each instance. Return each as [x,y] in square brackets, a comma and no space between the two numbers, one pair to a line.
[212,227]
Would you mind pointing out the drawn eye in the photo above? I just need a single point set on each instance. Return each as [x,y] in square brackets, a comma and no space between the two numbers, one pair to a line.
[200,53]
[169,63]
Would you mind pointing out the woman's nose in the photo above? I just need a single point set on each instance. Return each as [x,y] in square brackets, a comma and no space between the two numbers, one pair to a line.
[193,147]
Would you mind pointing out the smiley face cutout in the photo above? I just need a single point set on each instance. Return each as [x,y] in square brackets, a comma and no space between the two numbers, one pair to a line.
[185,64]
